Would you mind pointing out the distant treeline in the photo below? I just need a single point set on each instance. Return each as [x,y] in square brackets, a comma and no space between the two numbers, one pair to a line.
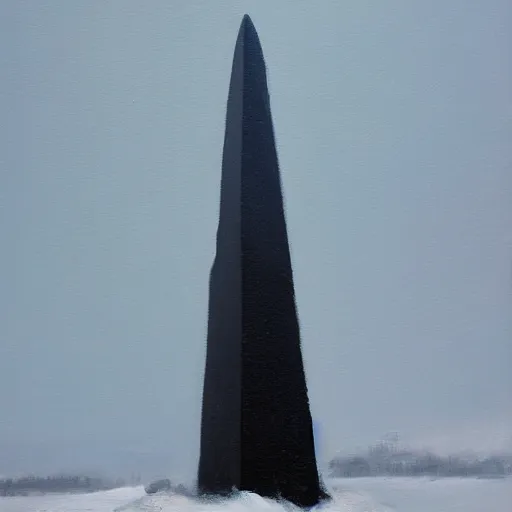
[54,484]
[388,460]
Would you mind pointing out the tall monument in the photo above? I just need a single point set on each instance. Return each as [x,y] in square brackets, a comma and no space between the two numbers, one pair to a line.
[256,430]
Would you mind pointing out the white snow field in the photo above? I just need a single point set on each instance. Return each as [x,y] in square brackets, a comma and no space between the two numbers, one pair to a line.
[350,495]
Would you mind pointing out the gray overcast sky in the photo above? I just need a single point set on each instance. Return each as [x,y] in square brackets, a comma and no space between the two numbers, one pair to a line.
[393,122]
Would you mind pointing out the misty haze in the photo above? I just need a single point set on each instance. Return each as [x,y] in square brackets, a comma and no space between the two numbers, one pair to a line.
[393,128]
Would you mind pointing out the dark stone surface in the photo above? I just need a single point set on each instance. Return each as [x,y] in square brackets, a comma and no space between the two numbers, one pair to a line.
[256,431]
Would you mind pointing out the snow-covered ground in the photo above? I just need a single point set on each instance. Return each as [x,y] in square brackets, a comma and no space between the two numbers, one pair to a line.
[351,495]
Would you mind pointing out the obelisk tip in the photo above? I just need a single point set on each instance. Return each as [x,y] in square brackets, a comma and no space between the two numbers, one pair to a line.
[246,20]
[247,27]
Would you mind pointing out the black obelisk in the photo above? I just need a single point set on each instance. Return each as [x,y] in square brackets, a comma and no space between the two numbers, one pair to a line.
[256,431]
